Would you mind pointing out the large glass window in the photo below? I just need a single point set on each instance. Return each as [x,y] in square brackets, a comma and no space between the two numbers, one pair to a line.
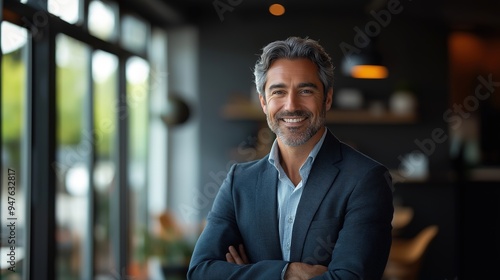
[137,73]
[134,33]
[15,151]
[74,152]
[103,18]
[75,131]
[68,10]
[106,109]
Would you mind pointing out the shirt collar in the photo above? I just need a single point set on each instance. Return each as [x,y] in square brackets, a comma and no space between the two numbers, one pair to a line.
[274,158]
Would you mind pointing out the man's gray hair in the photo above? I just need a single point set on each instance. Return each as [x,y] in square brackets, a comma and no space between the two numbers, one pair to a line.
[293,48]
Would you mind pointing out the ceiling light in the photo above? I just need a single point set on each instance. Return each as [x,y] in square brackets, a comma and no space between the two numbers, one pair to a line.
[369,72]
[367,64]
[277,9]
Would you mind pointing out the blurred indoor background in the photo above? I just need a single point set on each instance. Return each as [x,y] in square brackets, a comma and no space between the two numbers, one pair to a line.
[120,120]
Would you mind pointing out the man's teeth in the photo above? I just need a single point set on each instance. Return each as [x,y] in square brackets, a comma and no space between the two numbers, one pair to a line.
[293,120]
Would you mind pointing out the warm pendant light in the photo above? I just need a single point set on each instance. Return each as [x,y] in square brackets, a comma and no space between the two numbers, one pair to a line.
[277,9]
[365,65]
[366,71]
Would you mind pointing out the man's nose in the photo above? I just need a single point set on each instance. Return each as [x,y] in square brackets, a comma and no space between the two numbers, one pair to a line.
[292,102]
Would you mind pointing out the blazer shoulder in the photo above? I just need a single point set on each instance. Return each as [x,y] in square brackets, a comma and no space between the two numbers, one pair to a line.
[353,157]
[251,168]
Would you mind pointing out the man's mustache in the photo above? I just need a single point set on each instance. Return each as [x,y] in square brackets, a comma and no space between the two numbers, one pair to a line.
[298,113]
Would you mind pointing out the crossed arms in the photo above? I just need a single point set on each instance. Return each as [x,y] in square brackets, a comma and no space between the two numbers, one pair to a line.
[294,271]
[236,244]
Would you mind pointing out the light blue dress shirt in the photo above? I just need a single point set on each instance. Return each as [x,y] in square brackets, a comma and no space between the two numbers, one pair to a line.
[289,194]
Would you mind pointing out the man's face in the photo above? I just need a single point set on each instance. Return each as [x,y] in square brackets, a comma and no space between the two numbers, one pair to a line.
[294,100]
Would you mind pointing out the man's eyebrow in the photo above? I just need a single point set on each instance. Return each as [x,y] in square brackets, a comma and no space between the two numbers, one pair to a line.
[273,86]
[301,85]
[312,85]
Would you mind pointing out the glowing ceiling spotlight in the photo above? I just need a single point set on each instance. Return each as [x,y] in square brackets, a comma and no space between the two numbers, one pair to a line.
[277,9]
[365,65]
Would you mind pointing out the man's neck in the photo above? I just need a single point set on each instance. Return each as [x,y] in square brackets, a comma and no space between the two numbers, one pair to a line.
[293,157]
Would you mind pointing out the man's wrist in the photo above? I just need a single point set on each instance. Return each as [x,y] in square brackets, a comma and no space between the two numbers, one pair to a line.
[283,272]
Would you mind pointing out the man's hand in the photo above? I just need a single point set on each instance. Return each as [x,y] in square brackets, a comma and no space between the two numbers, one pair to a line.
[303,271]
[295,271]
[237,256]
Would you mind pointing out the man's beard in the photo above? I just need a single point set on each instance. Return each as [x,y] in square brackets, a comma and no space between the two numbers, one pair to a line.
[294,136]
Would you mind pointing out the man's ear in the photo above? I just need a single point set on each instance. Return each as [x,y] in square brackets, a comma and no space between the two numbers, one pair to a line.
[329,99]
[263,102]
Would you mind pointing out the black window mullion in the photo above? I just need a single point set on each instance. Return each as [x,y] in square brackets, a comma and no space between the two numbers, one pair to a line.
[119,201]
[89,247]
[1,83]
[84,14]
[27,176]
[43,142]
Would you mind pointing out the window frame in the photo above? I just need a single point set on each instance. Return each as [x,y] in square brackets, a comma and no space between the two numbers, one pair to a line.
[43,28]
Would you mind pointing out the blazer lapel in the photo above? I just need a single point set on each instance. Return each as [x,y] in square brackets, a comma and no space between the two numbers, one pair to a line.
[320,180]
[266,203]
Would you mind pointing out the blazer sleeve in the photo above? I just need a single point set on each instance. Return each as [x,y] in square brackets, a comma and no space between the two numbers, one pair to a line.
[208,260]
[364,242]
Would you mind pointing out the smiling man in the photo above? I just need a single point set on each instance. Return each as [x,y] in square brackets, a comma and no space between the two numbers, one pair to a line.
[314,208]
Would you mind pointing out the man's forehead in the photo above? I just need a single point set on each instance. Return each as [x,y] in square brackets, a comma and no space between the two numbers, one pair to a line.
[282,70]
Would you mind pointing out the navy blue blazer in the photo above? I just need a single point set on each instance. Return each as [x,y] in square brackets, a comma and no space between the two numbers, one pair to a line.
[343,219]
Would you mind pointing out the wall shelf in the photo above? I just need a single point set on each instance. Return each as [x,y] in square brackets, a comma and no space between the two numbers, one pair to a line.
[244,110]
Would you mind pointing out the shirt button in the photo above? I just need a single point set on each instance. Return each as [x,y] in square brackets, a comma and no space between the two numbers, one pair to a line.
[290,220]
[288,246]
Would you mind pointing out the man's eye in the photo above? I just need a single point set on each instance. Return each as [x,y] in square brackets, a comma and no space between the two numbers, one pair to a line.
[278,92]
[306,91]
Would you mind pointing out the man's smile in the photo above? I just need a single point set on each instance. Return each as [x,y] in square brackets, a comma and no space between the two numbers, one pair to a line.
[292,120]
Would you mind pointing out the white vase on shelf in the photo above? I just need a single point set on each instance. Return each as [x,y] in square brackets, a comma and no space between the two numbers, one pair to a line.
[403,102]
[349,98]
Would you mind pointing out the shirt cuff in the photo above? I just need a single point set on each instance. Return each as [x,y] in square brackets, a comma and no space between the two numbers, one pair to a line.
[284,271]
